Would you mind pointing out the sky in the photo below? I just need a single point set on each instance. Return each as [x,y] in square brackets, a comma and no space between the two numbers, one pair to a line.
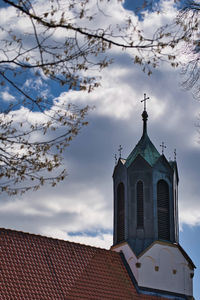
[80,209]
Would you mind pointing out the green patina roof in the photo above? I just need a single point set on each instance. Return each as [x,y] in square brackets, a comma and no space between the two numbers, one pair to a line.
[146,149]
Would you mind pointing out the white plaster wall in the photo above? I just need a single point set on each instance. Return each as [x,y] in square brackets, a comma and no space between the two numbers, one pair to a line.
[165,268]
[161,267]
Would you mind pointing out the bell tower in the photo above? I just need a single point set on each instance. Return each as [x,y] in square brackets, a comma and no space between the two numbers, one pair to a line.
[146,220]
[145,196]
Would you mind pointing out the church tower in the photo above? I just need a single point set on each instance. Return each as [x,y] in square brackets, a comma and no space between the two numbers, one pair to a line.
[145,196]
[146,217]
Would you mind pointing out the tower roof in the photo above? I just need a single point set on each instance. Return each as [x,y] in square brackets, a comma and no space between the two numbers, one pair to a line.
[144,147]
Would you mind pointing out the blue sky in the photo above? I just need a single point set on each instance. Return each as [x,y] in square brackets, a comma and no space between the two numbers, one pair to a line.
[80,208]
[189,235]
[190,242]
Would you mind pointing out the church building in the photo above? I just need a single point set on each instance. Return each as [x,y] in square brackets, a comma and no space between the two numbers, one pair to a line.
[146,227]
[146,261]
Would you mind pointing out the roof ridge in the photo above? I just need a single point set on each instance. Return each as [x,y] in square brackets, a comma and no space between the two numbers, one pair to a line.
[51,238]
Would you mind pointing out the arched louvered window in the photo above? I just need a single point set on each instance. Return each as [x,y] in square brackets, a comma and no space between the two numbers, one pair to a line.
[163,210]
[120,213]
[140,204]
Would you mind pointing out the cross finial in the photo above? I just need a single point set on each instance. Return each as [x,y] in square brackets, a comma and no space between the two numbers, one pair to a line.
[120,151]
[174,154]
[163,147]
[115,158]
[144,100]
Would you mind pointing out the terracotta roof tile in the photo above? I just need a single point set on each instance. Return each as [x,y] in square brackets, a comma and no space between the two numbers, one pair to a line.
[41,268]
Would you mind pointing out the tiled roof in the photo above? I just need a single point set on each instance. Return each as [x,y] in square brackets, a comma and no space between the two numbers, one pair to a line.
[34,267]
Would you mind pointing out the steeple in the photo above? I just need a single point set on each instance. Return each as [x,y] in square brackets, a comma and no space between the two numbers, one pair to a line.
[144,147]
[145,195]
[144,118]
[146,218]
[145,115]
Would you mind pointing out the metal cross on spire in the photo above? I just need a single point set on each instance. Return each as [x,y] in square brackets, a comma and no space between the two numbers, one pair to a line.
[115,158]
[163,147]
[120,151]
[144,100]
[174,154]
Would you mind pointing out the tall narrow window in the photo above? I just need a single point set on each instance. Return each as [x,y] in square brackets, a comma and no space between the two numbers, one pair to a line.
[120,213]
[163,210]
[140,204]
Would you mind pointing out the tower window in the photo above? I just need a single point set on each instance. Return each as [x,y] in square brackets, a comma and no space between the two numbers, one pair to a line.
[120,213]
[163,210]
[140,204]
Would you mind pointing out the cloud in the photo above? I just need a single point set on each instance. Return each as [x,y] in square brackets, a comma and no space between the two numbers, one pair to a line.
[6,96]
[84,202]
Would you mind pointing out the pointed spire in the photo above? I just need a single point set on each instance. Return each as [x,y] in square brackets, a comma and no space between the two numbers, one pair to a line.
[144,147]
[144,115]
[144,118]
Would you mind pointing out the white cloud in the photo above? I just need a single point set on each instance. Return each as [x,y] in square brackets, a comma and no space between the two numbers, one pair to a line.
[6,96]
[84,201]
[190,216]
[81,208]
[109,100]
